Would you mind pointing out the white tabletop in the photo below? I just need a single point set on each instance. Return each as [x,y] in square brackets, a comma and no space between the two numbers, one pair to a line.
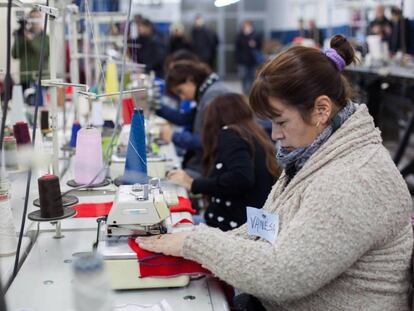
[7,263]
[45,279]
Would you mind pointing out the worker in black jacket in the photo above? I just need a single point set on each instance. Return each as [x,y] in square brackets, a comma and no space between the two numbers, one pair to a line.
[148,48]
[247,54]
[239,163]
[401,36]
[204,42]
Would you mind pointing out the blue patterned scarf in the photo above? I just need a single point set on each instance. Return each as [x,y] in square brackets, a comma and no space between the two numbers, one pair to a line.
[210,80]
[292,161]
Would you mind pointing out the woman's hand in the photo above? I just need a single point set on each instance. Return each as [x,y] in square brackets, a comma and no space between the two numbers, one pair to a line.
[180,177]
[166,133]
[168,244]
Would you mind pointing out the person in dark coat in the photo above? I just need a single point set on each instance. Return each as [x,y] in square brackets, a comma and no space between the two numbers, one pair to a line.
[248,43]
[148,48]
[204,42]
[177,40]
[315,33]
[400,39]
[239,163]
[381,24]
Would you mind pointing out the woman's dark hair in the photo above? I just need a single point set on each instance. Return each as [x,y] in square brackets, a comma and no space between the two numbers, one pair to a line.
[186,70]
[299,75]
[179,55]
[233,111]
[396,11]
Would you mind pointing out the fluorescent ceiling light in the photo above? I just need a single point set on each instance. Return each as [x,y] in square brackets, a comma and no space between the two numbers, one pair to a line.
[15,3]
[220,3]
[156,2]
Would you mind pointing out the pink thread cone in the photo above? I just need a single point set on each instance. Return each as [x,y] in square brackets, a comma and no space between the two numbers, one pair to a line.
[88,157]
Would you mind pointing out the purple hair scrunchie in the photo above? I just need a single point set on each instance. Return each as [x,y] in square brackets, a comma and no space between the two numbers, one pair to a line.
[333,55]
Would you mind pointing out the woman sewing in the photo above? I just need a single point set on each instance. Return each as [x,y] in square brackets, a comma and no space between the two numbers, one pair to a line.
[190,80]
[238,159]
[342,237]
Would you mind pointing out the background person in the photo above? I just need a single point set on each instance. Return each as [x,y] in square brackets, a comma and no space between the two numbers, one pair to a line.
[26,48]
[247,47]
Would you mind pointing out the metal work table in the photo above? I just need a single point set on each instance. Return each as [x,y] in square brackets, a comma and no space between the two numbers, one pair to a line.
[7,263]
[383,71]
[44,281]
[45,278]
[398,74]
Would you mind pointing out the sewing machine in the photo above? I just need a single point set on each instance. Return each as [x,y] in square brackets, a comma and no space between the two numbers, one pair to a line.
[138,210]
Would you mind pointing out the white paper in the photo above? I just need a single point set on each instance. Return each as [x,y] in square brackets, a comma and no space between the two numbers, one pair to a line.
[262,224]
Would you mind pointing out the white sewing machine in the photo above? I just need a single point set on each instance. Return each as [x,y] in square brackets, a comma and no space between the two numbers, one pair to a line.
[137,210]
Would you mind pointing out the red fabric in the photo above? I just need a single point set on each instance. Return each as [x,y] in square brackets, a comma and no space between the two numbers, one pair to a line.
[128,105]
[184,205]
[102,209]
[158,265]
[92,209]
[183,221]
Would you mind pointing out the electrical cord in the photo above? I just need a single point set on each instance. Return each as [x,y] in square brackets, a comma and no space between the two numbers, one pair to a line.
[98,220]
[2,300]
[29,173]
[7,78]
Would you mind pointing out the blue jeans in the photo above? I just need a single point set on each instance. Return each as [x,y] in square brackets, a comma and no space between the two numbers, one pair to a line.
[247,74]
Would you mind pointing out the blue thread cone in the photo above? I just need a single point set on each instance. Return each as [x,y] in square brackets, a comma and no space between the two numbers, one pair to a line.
[75,128]
[136,158]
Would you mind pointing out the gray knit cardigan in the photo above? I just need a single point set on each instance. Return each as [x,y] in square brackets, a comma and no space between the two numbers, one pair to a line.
[345,239]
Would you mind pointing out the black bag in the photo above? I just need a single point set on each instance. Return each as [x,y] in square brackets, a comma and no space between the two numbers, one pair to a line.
[246,302]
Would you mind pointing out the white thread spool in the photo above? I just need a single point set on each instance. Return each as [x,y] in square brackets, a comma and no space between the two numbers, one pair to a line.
[124,135]
[90,286]
[83,106]
[18,109]
[8,238]
[97,114]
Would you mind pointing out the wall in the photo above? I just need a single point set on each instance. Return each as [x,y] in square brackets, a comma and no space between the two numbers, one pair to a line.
[167,12]
[331,15]
[284,15]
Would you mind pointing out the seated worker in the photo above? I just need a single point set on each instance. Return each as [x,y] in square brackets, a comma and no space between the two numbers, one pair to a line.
[239,163]
[343,239]
[167,112]
[191,81]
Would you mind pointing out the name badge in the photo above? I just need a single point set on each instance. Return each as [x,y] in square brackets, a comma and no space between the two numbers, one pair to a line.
[262,224]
